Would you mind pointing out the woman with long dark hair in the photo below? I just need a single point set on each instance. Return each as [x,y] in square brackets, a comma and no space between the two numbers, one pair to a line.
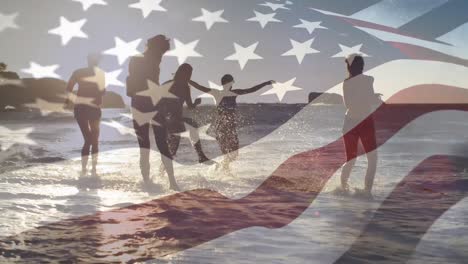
[169,118]
[359,96]
[87,110]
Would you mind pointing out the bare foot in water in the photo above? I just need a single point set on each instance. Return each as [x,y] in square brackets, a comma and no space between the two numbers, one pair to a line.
[162,170]
[94,173]
[174,187]
[83,173]
[206,161]
[341,191]
[364,194]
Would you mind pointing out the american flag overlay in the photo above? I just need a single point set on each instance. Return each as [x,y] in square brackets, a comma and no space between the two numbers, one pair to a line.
[222,131]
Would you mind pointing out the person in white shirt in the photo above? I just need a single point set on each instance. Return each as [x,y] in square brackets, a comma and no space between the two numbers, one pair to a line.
[359,96]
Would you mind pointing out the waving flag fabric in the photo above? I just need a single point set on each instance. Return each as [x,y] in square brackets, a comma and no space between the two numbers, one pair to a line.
[277,208]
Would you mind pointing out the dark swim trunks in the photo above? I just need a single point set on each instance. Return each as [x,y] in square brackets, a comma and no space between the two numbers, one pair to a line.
[142,104]
[170,115]
[86,112]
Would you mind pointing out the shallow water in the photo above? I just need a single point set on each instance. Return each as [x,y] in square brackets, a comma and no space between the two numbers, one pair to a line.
[40,184]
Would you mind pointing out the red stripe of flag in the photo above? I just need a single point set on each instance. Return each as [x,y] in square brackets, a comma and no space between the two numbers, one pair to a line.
[184,220]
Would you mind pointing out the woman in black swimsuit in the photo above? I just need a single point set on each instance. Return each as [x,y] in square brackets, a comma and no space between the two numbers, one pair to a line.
[88,101]
[225,126]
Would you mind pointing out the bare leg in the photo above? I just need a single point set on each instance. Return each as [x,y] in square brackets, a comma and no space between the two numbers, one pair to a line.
[371,169]
[160,134]
[196,143]
[86,132]
[142,133]
[94,125]
[226,165]
[162,169]
[227,160]
[369,143]
[173,142]
[201,155]
[144,164]
[84,163]
[351,145]
[345,173]
[167,162]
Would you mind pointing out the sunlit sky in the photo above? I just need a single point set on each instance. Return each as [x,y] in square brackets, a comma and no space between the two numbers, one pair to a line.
[31,42]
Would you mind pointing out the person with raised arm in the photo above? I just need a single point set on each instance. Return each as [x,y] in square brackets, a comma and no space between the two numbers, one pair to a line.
[225,126]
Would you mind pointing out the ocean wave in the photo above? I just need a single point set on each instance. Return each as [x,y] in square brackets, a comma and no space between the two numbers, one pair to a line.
[18,157]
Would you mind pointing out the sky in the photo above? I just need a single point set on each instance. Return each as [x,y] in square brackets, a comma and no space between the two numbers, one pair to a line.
[320,70]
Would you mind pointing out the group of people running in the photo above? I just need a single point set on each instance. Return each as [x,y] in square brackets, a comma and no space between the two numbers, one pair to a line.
[161,107]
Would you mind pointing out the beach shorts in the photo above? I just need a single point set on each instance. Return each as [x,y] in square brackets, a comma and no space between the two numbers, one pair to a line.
[364,131]
[142,104]
[86,112]
[170,115]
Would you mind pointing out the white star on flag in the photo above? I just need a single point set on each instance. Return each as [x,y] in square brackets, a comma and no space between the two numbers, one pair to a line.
[38,71]
[8,21]
[123,50]
[99,78]
[210,18]
[157,92]
[144,118]
[112,78]
[88,3]
[310,26]
[45,107]
[123,130]
[274,6]
[280,89]
[263,19]
[12,137]
[301,49]
[183,51]
[68,30]
[81,100]
[148,6]
[243,55]
[346,51]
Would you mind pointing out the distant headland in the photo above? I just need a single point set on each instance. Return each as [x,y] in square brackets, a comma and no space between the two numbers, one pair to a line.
[20,94]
